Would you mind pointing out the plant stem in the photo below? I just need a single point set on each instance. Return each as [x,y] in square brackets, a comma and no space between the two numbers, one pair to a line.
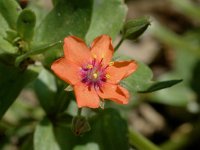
[35,51]
[140,142]
[79,111]
[119,44]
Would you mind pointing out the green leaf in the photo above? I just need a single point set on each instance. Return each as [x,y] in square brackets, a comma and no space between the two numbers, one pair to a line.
[179,95]
[109,130]
[4,26]
[12,82]
[44,138]
[66,142]
[155,86]
[83,19]
[141,81]
[107,18]
[25,24]
[12,36]
[6,47]
[10,10]
[67,18]
[51,94]
[45,88]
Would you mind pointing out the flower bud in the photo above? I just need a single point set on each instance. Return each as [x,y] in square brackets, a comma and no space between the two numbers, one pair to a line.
[25,24]
[80,125]
[134,28]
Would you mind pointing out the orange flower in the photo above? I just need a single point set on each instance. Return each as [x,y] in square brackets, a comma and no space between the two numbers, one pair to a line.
[91,72]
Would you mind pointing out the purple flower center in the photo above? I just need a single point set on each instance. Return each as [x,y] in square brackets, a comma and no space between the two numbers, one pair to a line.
[94,73]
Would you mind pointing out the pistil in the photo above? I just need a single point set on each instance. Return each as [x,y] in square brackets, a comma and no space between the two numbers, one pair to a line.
[95,75]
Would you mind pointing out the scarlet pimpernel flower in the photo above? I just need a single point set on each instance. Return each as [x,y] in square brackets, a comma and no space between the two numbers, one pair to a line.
[91,72]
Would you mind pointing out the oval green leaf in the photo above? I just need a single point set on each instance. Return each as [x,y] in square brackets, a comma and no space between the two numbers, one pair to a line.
[141,81]
[25,24]
[109,130]
[108,17]
[10,10]
[71,17]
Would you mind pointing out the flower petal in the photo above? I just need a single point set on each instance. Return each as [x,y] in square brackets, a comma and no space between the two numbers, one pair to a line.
[86,97]
[67,71]
[114,92]
[76,50]
[102,48]
[120,70]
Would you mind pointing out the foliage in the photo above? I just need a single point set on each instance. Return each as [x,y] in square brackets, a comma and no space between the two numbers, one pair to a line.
[30,40]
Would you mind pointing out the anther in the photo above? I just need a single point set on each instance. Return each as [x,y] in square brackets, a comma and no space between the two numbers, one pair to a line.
[89,66]
[107,76]
[111,63]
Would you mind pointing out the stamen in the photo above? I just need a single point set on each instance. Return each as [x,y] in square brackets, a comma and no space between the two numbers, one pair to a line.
[111,63]
[103,56]
[94,55]
[89,66]
[101,61]
[107,76]
[95,75]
